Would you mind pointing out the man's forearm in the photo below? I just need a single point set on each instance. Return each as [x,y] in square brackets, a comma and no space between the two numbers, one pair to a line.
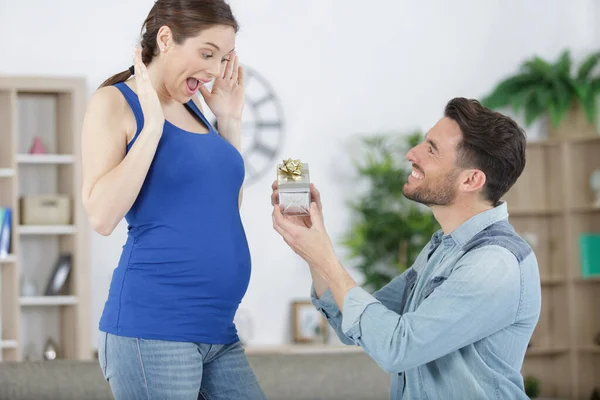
[319,283]
[332,275]
[339,282]
[326,303]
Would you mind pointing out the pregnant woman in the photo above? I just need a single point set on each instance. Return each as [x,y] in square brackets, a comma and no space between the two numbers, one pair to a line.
[150,156]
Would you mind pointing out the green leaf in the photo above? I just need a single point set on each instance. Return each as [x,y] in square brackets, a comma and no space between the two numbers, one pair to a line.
[544,97]
[504,93]
[554,114]
[533,110]
[522,98]
[590,101]
[563,99]
[539,67]
[562,67]
[594,87]
[588,65]
[581,88]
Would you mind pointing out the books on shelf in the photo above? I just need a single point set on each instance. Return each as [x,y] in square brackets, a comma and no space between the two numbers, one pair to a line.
[5,225]
[589,247]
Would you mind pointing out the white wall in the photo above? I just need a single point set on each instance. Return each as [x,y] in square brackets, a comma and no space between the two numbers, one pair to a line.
[341,67]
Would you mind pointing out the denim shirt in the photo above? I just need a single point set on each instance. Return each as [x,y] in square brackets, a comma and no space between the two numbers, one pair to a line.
[457,323]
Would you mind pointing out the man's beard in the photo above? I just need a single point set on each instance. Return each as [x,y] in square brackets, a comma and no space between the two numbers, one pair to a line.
[441,194]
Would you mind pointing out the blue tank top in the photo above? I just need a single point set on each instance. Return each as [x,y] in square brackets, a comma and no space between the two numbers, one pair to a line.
[186,264]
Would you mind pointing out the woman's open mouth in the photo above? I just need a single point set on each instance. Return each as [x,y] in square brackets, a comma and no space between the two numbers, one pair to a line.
[192,85]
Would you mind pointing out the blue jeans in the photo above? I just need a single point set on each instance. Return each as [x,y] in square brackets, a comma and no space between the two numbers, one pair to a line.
[157,369]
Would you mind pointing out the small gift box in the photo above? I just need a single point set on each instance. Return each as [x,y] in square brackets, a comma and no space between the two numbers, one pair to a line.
[293,183]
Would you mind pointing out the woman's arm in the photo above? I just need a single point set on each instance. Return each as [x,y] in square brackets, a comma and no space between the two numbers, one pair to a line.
[111,179]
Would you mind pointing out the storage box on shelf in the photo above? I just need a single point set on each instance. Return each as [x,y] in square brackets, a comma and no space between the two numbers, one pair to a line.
[551,205]
[40,180]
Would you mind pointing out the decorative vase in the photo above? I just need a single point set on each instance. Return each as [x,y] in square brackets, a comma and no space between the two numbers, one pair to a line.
[573,124]
[50,350]
[37,146]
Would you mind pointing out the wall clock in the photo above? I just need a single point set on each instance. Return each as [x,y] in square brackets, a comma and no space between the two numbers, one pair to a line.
[262,127]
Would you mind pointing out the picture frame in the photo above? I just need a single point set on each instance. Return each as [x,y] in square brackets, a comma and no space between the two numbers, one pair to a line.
[308,324]
[59,276]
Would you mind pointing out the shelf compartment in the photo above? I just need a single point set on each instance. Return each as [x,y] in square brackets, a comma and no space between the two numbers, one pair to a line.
[551,331]
[580,224]
[587,318]
[53,123]
[38,325]
[584,159]
[588,375]
[550,371]
[544,236]
[535,192]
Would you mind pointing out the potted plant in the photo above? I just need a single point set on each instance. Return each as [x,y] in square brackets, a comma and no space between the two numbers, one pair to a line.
[566,96]
[388,230]
[532,386]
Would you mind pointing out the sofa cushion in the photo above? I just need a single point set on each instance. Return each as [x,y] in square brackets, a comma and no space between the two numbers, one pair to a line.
[312,376]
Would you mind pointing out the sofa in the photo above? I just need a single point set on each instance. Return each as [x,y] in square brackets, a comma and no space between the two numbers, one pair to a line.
[284,375]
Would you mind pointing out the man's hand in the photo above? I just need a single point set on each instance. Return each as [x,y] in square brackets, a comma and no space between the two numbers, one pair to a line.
[307,236]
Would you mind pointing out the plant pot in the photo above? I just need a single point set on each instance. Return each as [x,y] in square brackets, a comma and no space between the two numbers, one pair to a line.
[573,125]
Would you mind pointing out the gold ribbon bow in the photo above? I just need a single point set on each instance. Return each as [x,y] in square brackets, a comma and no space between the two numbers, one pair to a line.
[291,168]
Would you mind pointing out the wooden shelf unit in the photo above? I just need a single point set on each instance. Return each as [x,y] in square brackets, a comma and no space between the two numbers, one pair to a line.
[50,108]
[550,206]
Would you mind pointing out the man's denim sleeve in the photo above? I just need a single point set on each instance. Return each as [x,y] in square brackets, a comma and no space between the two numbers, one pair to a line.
[390,296]
[480,297]
[327,306]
